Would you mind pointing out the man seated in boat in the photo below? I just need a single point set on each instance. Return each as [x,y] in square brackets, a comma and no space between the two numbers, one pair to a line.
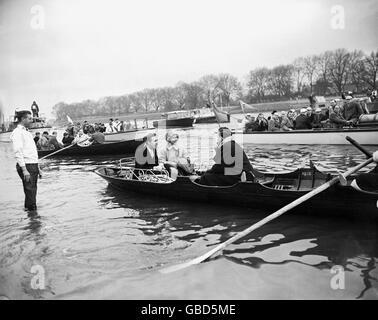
[173,157]
[352,109]
[146,154]
[53,142]
[319,119]
[96,137]
[274,123]
[231,163]
[336,118]
[287,123]
[43,142]
[367,181]
[303,121]
[67,139]
[261,124]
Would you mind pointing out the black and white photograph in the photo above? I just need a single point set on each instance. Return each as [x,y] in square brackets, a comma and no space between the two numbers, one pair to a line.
[172,151]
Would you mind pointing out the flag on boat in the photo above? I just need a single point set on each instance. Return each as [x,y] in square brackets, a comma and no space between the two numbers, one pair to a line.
[220,115]
[246,107]
[69,119]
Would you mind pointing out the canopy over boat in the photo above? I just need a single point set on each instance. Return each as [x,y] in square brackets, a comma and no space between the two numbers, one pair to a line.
[273,191]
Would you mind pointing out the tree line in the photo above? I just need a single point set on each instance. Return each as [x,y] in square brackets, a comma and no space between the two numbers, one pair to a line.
[329,73]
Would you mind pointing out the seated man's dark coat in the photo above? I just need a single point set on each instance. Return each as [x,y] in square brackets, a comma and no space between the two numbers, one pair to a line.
[226,171]
[302,122]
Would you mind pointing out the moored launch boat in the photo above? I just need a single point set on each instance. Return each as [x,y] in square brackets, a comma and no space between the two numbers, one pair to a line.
[365,136]
[118,147]
[273,191]
[175,119]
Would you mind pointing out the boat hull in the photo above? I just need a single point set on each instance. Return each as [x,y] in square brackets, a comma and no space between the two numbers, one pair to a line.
[337,200]
[127,135]
[174,123]
[120,148]
[365,136]
[210,119]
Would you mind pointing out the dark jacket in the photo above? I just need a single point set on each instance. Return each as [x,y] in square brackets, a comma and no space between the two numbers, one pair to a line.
[226,161]
[143,158]
[352,110]
[230,162]
[261,125]
[302,122]
[337,120]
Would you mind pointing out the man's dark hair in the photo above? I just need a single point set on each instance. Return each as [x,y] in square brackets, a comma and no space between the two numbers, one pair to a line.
[21,115]
[45,132]
[37,133]
[274,111]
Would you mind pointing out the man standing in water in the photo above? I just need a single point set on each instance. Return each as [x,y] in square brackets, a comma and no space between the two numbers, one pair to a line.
[26,155]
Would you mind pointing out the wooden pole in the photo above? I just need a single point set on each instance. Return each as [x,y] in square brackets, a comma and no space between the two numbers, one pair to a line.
[267,219]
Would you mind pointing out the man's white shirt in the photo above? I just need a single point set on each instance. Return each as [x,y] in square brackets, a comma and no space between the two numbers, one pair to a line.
[24,146]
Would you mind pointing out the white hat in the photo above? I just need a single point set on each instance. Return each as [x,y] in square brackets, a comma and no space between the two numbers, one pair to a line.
[348,97]
[309,109]
[318,110]
[303,110]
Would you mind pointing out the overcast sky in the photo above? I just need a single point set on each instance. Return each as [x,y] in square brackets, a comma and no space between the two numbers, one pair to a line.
[90,49]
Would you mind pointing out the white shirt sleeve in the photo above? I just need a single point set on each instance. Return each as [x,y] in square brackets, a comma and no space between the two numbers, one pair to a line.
[17,147]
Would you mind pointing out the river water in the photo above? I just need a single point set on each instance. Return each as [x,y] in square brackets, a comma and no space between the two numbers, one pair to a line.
[89,240]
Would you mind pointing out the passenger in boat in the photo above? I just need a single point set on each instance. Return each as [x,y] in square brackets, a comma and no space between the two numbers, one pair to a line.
[287,123]
[303,121]
[43,142]
[250,124]
[352,110]
[367,181]
[274,123]
[110,127]
[96,137]
[230,163]
[67,139]
[310,114]
[146,154]
[336,118]
[319,119]
[53,142]
[37,137]
[261,124]
[173,157]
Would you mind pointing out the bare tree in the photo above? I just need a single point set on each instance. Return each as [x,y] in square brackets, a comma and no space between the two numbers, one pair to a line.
[258,83]
[371,69]
[229,86]
[298,74]
[339,69]
[311,69]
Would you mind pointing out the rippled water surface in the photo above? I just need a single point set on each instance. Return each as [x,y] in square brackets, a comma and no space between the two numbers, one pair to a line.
[97,242]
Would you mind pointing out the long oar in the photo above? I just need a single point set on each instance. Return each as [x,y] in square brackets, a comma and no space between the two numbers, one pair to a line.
[57,151]
[359,147]
[271,217]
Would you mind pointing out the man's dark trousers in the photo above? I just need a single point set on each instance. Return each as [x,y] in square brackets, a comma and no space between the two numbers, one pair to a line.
[30,187]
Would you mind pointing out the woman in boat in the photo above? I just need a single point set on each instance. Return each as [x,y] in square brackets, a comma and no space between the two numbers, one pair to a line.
[230,163]
[146,154]
[174,158]
[368,181]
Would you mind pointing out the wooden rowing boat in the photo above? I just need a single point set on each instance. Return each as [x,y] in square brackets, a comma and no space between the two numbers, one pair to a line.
[273,191]
[120,147]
